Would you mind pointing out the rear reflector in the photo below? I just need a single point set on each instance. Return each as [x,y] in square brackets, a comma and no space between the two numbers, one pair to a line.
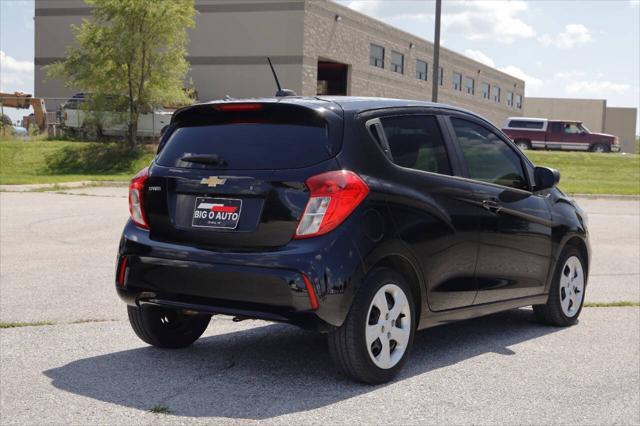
[238,107]
[122,269]
[334,196]
[313,299]
[136,198]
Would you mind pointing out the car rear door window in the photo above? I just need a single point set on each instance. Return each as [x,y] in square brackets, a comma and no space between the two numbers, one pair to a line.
[555,127]
[415,142]
[489,158]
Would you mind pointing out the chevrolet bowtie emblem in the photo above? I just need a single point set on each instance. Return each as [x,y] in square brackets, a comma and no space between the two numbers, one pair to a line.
[213,181]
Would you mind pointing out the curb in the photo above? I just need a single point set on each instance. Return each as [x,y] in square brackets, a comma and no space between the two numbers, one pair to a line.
[60,185]
[606,196]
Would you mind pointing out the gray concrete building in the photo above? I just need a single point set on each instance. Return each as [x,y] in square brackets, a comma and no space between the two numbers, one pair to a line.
[317,47]
[594,113]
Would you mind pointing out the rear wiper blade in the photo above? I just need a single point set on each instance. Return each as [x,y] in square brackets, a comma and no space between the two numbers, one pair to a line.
[212,159]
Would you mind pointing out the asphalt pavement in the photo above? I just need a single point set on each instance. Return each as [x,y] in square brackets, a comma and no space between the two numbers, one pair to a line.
[57,260]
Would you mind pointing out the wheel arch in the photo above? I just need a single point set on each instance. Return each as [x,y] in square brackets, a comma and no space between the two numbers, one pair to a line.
[405,268]
[395,254]
[579,243]
[573,239]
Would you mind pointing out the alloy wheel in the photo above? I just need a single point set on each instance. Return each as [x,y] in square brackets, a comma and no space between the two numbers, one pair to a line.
[388,326]
[571,286]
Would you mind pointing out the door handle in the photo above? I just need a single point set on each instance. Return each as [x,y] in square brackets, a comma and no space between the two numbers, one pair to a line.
[492,205]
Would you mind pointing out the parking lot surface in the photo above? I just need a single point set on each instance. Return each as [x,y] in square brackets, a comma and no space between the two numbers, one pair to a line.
[57,259]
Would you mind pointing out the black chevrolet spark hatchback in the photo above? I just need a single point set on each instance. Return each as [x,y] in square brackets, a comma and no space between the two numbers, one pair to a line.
[366,219]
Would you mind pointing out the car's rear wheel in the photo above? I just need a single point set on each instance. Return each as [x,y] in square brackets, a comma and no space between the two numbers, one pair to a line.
[566,295]
[374,342]
[523,145]
[166,328]
[600,147]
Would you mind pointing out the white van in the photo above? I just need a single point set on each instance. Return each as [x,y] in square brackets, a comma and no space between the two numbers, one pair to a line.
[73,117]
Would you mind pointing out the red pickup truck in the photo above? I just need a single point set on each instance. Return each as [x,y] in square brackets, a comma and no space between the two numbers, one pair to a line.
[531,133]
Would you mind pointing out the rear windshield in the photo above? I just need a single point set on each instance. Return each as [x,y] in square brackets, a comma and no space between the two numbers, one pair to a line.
[522,124]
[246,146]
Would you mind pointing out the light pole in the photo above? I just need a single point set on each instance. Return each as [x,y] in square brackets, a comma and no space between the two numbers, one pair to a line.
[436,54]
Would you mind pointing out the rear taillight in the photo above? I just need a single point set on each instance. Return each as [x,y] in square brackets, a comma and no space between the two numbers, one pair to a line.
[136,198]
[334,195]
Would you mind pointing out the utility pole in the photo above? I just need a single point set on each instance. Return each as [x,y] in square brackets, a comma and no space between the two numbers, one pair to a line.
[436,54]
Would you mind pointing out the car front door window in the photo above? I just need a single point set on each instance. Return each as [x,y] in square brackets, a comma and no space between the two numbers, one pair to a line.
[571,128]
[489,158]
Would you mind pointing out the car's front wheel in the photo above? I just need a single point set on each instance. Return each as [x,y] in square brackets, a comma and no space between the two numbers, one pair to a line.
[166,328]
[374,342]
[566,295]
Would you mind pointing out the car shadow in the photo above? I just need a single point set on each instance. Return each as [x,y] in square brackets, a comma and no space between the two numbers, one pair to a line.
[269,371]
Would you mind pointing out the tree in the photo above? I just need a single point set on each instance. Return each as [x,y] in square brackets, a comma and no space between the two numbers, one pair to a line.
[131,54]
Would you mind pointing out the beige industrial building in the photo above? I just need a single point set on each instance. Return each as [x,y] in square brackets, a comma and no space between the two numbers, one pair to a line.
[317,47]
[594,113]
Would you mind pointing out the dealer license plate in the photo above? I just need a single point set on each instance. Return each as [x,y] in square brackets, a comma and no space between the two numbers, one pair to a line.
[221,213]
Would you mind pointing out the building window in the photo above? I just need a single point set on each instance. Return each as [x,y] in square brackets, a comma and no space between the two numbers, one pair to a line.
[421,70]
[469,84]
[376,56]
[496,94]
[457,81]
[441,76]
[397,62]
[509,99]
[486,91]
[519,101]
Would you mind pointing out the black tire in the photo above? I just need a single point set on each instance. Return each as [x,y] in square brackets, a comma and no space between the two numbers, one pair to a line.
[552,313]
[523,145]
[166,328]
[347,344]
[600,147]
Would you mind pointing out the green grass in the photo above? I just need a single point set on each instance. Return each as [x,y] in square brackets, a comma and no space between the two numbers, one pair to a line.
[24,324]
[47,161]
[620,304]
[44,161]
[590,173]
[160,409]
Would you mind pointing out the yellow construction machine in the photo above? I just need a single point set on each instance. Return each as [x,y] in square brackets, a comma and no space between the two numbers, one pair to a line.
[21,100]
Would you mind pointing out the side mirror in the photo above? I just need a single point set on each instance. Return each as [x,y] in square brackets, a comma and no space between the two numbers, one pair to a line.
[163,130]
[545,178]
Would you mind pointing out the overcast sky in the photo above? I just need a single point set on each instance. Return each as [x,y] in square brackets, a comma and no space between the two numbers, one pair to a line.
[581,49]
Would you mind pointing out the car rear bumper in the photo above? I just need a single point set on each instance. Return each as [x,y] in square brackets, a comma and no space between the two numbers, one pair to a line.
[615,148]
[267,284]
[213,287]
